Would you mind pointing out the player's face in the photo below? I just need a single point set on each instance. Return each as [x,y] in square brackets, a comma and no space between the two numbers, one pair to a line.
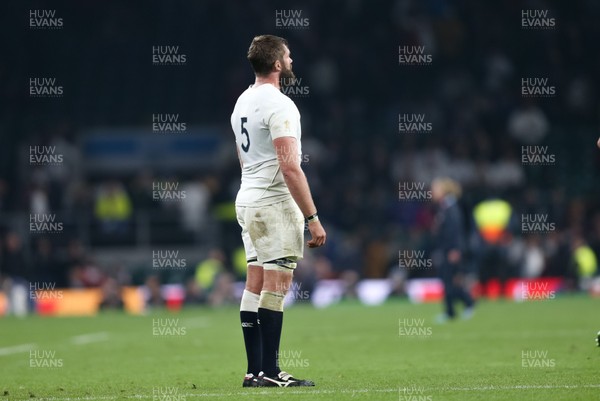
[286,65]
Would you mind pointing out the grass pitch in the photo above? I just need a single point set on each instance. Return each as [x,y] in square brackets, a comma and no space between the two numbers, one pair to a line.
[541,350]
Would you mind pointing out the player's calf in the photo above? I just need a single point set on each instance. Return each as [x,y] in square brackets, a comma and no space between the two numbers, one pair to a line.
[277,278]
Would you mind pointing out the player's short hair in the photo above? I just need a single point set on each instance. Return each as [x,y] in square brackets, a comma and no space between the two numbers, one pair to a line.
[264,51]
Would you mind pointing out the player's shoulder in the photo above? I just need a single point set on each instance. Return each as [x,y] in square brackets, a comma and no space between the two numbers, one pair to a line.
[279,100]
[268,99]
[269,93]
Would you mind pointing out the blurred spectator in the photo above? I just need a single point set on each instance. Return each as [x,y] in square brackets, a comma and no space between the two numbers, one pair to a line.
[222,290]
[46,264]
[208,270]
[193,292]
[492,219]
[79,197]
[194,208]
[499,69]
[14,265]
[528,124]
[15,275]
[38,200]
[141,191]
[113,208]
[86,275]
[505,173]
[111,294]
[585,263]
[449,246]
[154,296]
[533,262]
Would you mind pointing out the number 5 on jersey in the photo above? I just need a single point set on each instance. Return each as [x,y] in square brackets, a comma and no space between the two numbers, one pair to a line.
[246,146]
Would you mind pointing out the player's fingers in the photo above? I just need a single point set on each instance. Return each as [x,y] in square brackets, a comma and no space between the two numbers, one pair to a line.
[316,242]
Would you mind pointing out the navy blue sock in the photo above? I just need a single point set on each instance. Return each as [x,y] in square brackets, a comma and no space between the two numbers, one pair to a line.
[271,323]
[252,341]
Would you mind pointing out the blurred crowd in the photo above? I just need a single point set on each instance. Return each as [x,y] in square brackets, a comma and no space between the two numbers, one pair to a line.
[356,156]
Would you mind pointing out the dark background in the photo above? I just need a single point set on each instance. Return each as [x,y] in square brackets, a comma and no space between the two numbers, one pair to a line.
[348,56]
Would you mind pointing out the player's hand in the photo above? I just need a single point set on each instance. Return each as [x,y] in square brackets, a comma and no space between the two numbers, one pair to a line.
[317,233]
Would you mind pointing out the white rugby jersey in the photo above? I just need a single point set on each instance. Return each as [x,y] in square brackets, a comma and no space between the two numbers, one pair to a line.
[262,114]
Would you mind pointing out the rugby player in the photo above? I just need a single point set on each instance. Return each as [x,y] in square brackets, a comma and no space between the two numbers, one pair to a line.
[271,206]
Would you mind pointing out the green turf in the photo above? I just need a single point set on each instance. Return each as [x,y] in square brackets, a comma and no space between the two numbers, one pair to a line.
[351,351]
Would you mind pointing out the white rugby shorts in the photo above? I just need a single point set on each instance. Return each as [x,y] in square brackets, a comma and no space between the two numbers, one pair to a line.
[272,232]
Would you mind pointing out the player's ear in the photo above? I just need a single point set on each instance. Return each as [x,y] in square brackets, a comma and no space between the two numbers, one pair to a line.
[277,65]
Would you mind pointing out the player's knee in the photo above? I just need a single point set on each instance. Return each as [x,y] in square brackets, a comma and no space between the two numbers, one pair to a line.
[253,288]
[272,300]
[254,283]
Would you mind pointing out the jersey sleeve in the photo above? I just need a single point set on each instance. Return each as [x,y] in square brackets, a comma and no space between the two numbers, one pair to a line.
[283,120]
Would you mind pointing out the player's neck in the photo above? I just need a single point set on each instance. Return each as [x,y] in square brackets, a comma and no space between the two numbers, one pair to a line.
[269,79]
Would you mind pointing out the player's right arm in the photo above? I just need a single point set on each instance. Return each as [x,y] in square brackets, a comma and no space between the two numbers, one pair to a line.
[287,155]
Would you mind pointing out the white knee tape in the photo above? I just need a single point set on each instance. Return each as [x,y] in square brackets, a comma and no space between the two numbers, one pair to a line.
[271,300]
[254,263]
[281,265]
[249,302]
